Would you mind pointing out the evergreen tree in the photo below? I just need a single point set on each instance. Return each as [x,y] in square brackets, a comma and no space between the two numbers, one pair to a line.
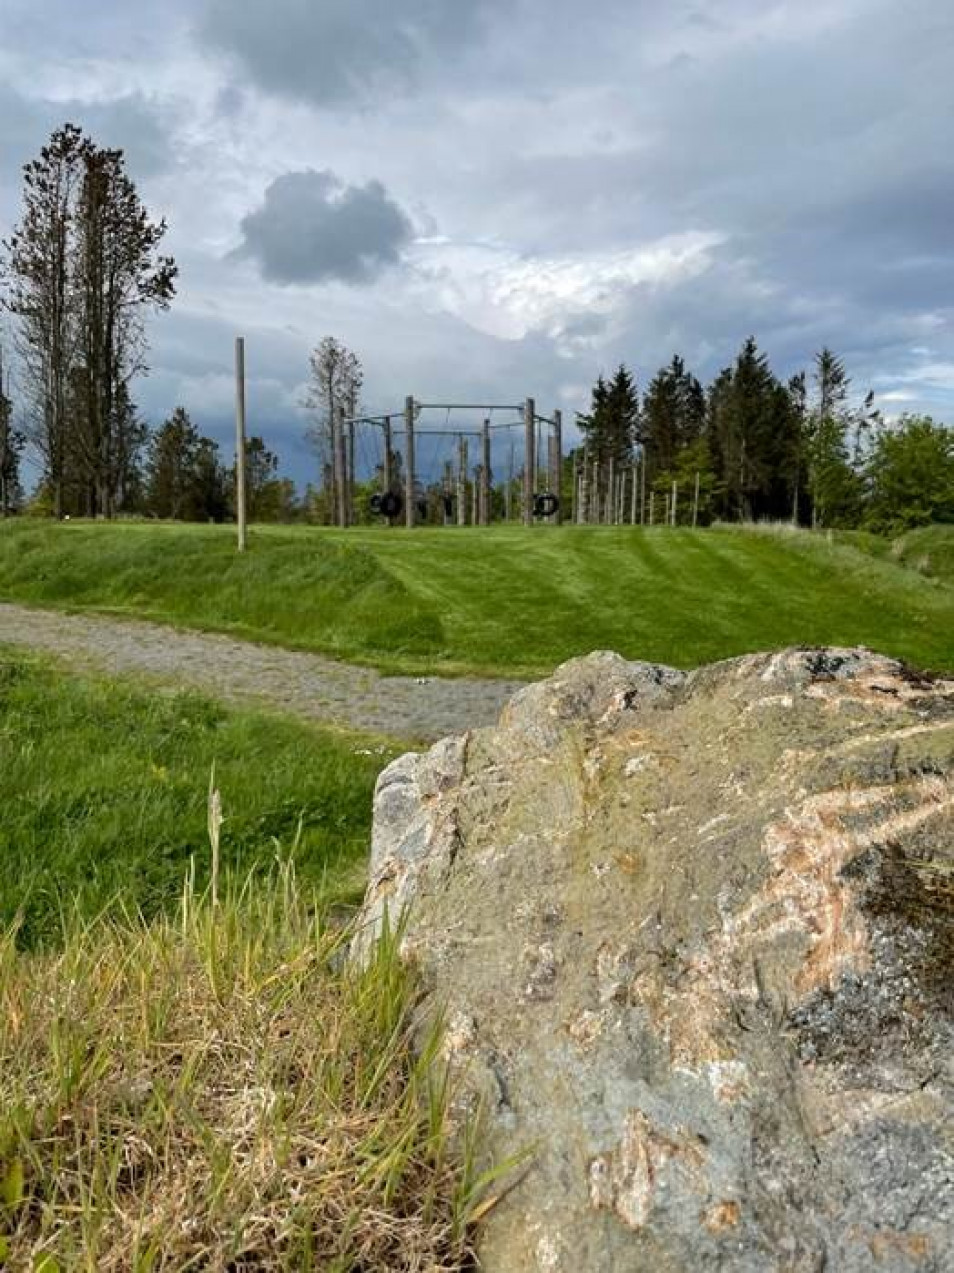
[208,499]
[171,485]
[753,428]
[673,416]
[261,484]
[833,485]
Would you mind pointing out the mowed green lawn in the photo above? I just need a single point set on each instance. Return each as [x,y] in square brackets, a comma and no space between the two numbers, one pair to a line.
[104,795]
[503,600]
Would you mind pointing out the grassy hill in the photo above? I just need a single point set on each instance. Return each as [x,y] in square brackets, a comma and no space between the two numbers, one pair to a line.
[502,600]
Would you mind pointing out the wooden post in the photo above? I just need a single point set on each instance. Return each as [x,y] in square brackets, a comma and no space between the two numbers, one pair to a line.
[387,477]
[240,442]
[556,481]
[475,497]
[508,494]
[609,515]
[447,490]
[349,496]
[642,490]
[632,511]
[341,470]
[409,509]
[675,501]
[595,493]
[529,459]
[695,505]
[461,481]
[652,507]
[485,476]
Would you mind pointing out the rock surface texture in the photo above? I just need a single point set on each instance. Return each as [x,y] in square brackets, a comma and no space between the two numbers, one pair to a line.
[693,938]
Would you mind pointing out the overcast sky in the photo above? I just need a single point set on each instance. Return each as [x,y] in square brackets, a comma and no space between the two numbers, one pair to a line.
[488,199]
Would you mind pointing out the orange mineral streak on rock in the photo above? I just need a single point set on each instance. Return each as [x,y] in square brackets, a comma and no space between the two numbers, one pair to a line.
[807,893]
[806,913]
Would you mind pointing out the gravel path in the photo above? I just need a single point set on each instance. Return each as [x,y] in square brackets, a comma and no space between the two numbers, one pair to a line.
[301,684]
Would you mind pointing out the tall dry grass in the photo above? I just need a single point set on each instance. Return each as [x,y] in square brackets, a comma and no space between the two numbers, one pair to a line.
[223,1090]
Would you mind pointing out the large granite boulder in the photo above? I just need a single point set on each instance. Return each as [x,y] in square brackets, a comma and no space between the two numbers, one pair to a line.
[693,938]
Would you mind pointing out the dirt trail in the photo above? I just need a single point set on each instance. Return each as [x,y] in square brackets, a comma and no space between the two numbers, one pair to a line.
[300,684]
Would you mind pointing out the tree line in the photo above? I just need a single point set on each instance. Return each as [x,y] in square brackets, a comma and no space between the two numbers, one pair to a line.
[83,268]
[750,446]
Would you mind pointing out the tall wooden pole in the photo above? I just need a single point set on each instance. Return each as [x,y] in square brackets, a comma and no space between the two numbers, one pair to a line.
[529,459]
[632,511]
[675,501]
[409,510]
[695,505]
[447,490]
[642,490]
[556,480]
[461,481]
[387,477]
[349,498]
[485,476]
[240,442]
[610,514]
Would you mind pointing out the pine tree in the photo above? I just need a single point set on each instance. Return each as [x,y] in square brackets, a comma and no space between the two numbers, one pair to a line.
[673,416]
[261,467]
[833,484]
[172,468]
[208,499]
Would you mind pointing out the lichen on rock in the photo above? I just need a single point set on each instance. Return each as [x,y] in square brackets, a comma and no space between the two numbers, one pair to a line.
[694,938]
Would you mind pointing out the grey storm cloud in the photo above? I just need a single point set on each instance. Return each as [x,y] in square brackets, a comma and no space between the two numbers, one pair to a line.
[312,228]
[337,51]
[540,146]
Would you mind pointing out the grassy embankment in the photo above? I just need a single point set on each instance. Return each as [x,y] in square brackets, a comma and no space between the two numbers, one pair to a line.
[190,1074]
[505,600]
[929,550]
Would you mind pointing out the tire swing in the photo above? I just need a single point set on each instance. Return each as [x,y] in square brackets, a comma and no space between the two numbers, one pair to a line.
[546,505]
[390,504]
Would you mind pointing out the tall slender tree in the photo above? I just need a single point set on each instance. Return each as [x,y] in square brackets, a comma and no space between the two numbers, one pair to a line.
[82,268]
[120,277]
[39,290]
[833,484]
[335,384]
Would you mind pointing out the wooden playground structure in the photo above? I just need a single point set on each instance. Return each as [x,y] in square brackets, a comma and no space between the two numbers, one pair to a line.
[399,436]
